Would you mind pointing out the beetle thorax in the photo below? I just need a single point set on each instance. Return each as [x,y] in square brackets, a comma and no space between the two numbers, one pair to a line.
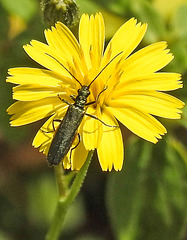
[82,96]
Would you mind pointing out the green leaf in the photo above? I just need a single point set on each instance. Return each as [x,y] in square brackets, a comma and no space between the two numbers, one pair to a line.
[147,200]
[23,8]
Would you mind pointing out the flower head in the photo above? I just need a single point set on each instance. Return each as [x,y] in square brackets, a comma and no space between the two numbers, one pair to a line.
[133,88]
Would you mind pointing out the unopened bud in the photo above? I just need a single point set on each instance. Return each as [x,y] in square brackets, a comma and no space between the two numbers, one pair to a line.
[65,11]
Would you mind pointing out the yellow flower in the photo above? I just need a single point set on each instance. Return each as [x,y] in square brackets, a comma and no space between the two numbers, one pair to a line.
[134,88]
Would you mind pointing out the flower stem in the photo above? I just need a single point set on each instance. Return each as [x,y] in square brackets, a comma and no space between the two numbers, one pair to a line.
[66,197]
[60,179]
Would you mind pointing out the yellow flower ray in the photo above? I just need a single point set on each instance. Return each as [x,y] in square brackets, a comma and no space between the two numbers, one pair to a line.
[47,57]
[146,61]
[79,155]
[26,92]
[92,129]
[162,104]
[126,39]
[28,112]
[142,124]
[110,151]
[36,76]
[61,39]
[44,136]
[157,81]
[92,40]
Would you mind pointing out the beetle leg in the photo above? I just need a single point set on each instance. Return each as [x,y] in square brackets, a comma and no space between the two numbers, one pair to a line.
[79,138]
[54,120]
[87,104]
[92,116]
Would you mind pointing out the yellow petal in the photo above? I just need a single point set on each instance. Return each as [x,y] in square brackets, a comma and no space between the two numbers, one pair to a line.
[35,92]
[47,57]
[45,135]
[146,61]
[156,81]
[126,39]
[110,152]
[28,112]
[36,76]
[66,163]
[79,155]
[92,128]
[61,39]
[64,42]
[142,124]
[156,103]
[91,37]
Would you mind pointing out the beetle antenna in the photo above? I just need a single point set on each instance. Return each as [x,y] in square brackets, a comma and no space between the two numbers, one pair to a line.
[64,68]
[104,68]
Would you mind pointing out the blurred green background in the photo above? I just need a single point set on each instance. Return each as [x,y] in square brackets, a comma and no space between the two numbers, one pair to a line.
[147,200]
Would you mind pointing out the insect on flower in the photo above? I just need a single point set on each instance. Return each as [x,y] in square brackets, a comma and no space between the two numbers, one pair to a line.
[67,129]
[114,83]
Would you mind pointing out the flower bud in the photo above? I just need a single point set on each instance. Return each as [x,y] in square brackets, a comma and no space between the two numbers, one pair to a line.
[65,11]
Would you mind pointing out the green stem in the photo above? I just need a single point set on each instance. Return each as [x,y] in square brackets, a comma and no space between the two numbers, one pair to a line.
[61,181]
[66,197]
